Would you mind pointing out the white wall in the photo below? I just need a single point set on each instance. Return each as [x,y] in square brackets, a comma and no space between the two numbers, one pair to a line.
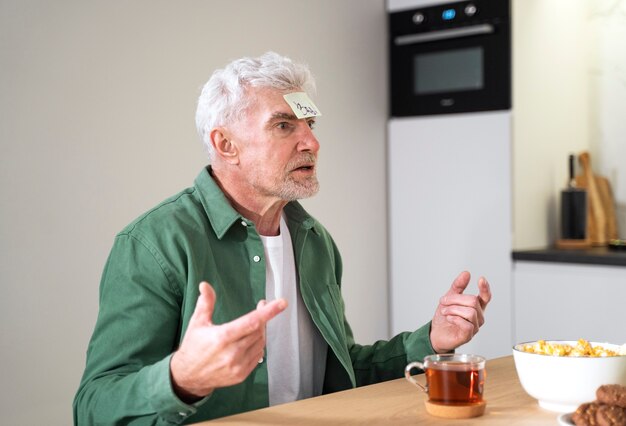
[607,20]
[550,110]
[569,95]
[96,124]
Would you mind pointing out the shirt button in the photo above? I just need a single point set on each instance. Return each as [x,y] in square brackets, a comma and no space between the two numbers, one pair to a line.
[243,222]
[261,361]
[182,414]
[256,258]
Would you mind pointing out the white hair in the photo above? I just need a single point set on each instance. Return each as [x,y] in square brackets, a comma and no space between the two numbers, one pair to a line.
[223,98]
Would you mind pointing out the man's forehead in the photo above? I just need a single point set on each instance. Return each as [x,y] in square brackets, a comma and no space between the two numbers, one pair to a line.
[268,99]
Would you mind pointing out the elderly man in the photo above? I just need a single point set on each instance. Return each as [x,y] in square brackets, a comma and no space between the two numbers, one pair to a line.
[226,297]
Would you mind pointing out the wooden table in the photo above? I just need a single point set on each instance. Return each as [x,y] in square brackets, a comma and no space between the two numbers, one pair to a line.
[397,402]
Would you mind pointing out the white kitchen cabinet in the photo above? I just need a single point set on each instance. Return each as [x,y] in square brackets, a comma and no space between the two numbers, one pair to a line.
[450,210]
[569,301]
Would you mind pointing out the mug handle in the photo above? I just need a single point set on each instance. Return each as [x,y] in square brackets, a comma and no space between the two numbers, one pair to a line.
[407,374]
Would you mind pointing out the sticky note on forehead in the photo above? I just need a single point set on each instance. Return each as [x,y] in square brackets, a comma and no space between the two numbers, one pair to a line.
[302,105]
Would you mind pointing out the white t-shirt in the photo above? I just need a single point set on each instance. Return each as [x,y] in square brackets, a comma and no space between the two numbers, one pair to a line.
[296,351]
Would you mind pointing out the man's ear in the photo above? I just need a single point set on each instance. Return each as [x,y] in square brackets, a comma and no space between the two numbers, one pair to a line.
[224,146]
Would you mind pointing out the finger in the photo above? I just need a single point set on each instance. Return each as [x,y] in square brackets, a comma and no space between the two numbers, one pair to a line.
[243,362]
[235,351]
[470,304]
[256,349]
[470,315]
[251,354]
[484,292]
[267,310]
[255,320]
[469,300]
[270,309]
[460,283]
[248,341]
[259,305]
[466,300]
[254,358]
[203,312]
[466,328]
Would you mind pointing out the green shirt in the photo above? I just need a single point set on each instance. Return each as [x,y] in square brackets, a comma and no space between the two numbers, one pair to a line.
[148,293]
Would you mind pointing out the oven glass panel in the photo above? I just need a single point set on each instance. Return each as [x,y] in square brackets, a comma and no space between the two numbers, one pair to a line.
[448,71]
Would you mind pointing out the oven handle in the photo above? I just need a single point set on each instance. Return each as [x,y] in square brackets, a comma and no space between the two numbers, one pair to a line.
[444,34]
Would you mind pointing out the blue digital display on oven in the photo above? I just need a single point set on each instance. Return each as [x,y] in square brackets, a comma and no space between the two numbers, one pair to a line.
[448,14]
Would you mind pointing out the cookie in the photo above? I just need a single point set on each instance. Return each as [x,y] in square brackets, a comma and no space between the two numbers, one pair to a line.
[585,415]
[610,415]
[612,395]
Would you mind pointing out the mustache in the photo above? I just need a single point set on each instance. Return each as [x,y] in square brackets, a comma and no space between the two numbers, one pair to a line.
[304,160]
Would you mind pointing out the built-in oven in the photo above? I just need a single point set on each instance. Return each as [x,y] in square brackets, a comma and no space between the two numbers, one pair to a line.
[450,58]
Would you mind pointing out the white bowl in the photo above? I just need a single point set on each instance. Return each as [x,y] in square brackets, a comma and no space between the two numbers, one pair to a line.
[562,383]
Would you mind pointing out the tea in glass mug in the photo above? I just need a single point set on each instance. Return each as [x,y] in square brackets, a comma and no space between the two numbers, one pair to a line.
[452,380]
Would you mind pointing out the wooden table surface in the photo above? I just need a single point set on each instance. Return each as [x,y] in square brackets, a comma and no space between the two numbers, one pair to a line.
[397,402]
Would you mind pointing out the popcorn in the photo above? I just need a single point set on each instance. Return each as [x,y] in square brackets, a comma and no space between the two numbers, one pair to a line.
[582,348]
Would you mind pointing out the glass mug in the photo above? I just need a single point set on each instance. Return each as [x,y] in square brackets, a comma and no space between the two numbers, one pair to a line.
[451,379]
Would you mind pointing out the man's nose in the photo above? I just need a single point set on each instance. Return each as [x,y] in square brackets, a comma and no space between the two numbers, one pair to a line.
[308,141]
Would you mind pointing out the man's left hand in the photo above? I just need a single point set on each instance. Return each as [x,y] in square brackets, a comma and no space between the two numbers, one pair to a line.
[459,316]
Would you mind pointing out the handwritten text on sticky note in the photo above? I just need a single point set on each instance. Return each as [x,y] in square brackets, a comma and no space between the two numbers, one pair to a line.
[302,105]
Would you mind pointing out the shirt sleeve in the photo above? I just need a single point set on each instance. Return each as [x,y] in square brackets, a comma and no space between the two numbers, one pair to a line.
[386,359]
[127,376]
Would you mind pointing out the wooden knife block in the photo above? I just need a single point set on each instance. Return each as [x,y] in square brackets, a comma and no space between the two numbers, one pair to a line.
[601,219]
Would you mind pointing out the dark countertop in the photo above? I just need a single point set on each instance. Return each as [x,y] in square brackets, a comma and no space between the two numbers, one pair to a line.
[590,256]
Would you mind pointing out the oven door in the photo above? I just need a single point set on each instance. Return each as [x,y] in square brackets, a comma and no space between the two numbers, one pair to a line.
[451,70]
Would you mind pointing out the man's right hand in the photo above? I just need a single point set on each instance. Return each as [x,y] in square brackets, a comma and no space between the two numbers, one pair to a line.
[213,356]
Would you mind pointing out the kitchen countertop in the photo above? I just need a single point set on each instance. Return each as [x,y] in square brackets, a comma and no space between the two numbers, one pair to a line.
[590,256]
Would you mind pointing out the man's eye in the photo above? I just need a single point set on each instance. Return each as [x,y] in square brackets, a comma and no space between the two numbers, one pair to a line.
[283,125]
[311,124]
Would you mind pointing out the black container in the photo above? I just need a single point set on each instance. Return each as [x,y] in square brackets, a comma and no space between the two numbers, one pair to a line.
[574,214]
